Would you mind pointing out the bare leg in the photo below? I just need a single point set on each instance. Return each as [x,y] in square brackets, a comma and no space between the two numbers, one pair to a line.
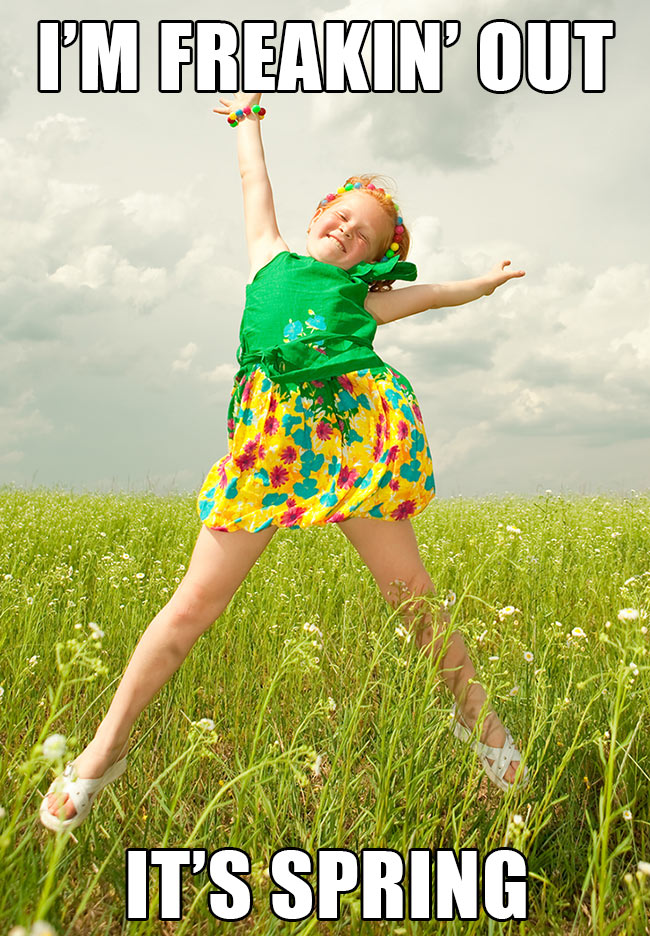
[219,564]
[389,549]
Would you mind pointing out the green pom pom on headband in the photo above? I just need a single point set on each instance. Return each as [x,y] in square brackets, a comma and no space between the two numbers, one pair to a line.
[399,227]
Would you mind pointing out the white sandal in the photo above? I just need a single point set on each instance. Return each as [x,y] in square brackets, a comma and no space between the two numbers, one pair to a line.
[502,756]
[82,793]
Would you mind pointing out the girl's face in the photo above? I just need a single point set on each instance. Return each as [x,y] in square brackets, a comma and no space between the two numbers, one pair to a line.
[352,230]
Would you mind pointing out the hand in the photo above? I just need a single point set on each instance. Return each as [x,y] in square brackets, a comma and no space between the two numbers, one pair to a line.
[497,276]
[240,99]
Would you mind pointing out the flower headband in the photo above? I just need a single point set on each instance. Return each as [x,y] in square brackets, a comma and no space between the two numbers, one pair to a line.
[399,227]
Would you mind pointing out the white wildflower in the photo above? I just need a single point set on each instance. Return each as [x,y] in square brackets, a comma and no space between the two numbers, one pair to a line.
[513,529]
[3,812]
[54,747]
[493,658]
[627,815]
[628,614]
[205,724]
[2,691]
[8,577]
[578,632]
[644,867]
[528,657]
[97,632]
[401,631]
[41,928]
[17,931]
[450,600]
[318,763]
[644,629]
[33,660]
[517,820]
[139,575]
[331,704]
[514,691]
[508,611]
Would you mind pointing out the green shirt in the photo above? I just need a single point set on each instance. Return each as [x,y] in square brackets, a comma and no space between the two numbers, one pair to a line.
[304,319]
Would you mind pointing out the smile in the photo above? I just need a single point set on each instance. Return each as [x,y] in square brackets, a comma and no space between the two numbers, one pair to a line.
[333,236]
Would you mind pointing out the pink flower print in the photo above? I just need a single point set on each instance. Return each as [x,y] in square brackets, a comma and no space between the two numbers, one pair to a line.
[317,383]
[405,509]
[270,425]
[347,477]
[346,383]
[323,430]
[247,389]
[377,449]
[319,400]
[379,427]
[403,430]
[385,406]
[223,479]
[290,517]
[291,502]
[417,411]
[278,476]
[289,455]
[341,424]
[246,461]
[393,484]
[231,425]
[273,403]
[336,518]
[261,453]
[392,454]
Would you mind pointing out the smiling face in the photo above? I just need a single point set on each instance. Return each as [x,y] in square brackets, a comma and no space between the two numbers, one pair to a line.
[352,230]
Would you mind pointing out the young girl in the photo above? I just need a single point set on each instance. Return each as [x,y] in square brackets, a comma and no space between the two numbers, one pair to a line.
[320,430]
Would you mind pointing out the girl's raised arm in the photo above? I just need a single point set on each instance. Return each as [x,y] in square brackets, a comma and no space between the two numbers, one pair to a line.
[262,233]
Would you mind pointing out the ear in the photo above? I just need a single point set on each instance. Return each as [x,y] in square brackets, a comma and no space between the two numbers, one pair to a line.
[316,216]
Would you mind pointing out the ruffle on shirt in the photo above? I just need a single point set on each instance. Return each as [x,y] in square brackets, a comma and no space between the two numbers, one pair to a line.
[390,269]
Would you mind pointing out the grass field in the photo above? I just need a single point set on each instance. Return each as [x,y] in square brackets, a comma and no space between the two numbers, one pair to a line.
[305,718]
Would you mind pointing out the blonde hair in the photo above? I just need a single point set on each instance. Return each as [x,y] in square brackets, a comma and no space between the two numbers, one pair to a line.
[388,206]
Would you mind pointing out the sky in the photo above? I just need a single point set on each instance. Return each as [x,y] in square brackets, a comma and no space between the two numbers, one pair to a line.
[124,261]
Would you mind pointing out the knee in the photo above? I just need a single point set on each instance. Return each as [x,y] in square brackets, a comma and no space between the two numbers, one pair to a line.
[193,607]
[420,609]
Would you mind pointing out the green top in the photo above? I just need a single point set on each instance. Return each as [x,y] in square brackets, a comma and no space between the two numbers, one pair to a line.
[304,319]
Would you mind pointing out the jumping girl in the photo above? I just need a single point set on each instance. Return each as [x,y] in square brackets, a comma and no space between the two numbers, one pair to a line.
[320,430]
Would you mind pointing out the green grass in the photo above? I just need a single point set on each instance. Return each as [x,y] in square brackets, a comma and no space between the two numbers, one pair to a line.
[352,693]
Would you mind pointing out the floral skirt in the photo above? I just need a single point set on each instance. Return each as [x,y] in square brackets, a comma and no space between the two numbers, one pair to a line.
[319,452]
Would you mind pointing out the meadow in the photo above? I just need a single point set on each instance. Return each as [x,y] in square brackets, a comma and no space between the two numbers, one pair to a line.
[306,716]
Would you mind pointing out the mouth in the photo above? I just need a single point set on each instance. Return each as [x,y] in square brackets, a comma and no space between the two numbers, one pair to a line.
[334,237]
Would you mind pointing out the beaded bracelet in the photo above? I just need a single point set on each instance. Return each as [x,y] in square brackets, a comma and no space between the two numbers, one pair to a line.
[399,227]
[237,116]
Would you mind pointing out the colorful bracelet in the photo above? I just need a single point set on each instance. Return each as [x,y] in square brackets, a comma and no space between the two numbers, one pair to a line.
[399,226]
[237,116]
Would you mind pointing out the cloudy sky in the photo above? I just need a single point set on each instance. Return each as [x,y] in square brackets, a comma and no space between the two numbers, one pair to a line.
[123,260]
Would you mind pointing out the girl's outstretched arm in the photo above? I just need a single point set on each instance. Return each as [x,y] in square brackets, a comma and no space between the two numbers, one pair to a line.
[398,303]
[262,234]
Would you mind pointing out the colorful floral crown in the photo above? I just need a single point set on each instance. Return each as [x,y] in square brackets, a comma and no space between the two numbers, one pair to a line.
[399,227]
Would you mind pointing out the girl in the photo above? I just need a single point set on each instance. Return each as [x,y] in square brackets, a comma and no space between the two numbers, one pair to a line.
[320,430]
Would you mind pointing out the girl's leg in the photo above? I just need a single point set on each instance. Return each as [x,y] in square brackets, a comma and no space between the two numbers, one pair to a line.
[219,564]
[389,549]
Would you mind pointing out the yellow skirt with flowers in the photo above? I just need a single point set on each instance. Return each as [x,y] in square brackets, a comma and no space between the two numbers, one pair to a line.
[319,452]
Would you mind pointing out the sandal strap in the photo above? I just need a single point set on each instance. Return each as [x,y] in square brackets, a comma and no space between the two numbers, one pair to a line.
[501,756]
